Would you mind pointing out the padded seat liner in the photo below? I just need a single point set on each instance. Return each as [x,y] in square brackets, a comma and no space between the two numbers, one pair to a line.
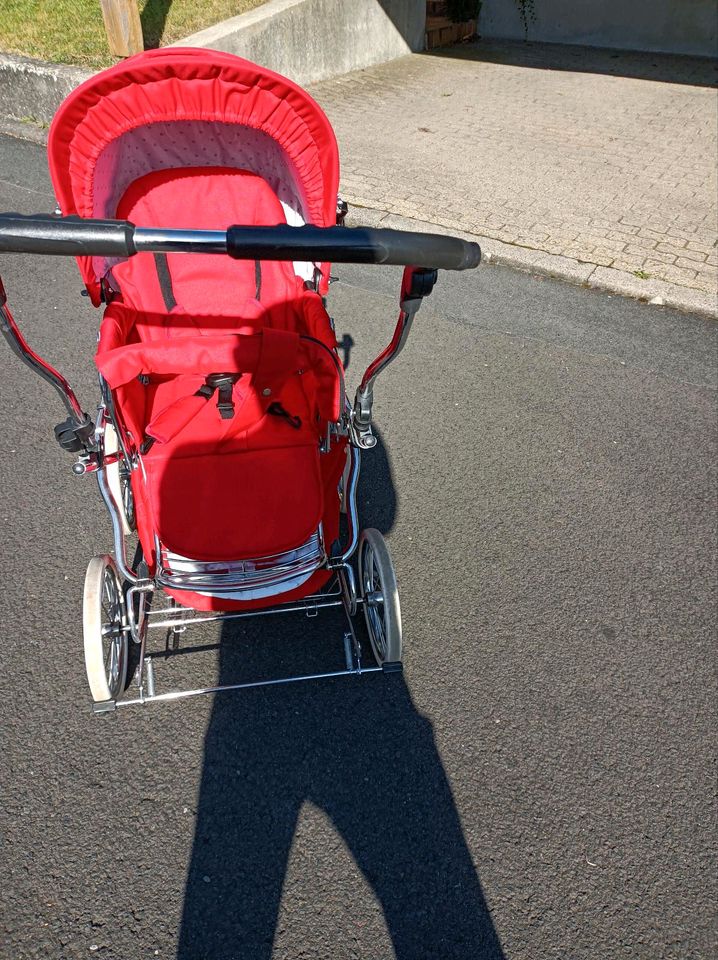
[248,486]
[203,198]
[238,506]
[240,488]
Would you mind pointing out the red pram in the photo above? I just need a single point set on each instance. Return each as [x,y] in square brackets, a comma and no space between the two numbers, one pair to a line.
[224,436]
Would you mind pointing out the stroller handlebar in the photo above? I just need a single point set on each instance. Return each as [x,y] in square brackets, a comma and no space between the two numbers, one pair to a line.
[76,236]
[352,245]
[69,236]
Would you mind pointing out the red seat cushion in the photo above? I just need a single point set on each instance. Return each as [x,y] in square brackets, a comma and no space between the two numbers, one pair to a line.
[215,489]
[203,198]
[238,488]
[242,505]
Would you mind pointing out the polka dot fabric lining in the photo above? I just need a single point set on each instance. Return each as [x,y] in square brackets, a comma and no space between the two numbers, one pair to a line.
[179,107]
[192,143]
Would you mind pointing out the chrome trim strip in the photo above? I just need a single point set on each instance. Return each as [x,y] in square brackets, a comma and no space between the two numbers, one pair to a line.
[184,241]
[217,577]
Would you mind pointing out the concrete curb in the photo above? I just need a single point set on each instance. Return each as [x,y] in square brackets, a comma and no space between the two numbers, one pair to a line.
[31,90]
[281,35]
[657,292]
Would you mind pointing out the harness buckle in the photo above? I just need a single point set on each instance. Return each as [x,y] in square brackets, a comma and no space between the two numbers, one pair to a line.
[223,383]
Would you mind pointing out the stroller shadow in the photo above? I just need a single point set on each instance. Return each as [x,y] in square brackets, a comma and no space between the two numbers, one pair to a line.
[355,748]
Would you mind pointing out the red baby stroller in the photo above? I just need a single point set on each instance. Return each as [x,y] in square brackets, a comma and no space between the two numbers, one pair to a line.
[223,437]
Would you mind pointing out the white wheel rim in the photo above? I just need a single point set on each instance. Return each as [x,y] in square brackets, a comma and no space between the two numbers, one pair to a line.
[105,639]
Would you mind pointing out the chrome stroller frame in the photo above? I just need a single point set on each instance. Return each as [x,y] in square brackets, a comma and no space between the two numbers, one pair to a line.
[78,434]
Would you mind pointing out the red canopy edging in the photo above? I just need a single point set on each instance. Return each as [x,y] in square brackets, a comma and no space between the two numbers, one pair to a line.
[189,84]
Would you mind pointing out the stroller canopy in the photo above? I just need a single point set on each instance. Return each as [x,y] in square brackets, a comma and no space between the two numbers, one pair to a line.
[179,108]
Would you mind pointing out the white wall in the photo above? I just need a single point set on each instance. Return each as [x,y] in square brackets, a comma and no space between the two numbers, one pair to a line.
[671,26]
[309,40]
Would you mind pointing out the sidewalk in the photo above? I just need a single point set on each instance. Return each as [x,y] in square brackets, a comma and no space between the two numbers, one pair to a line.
[595,166]
[579,163]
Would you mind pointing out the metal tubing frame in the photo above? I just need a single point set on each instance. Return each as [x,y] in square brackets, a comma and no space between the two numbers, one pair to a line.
[158,240]
[305,606]
[361,415]
[90,237]
[350,494]
[360,437]
[118,535]
[394,348]
[20,347]
[199,691]
[342,594]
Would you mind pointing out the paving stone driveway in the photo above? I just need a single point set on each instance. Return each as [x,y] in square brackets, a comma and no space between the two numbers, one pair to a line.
[605,157]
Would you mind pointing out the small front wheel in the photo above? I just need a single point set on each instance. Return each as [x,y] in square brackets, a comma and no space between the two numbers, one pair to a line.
[104,622]
[380,597]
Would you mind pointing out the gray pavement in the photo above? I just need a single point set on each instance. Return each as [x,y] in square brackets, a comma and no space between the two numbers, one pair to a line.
[542,782]
[594,165]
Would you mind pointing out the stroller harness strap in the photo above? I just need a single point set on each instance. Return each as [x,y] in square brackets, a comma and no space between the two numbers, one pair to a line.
[181,412]
[268,354]
[164,277]
[165,280]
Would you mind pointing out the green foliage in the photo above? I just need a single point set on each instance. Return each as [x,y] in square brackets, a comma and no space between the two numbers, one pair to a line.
[459,11]
[72,31]
[527,12]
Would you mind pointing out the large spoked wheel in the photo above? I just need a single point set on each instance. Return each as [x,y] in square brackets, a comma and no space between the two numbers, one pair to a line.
[118,480]
[380,596]
[105,630]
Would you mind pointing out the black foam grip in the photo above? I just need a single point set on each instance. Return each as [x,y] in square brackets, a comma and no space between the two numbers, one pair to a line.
[352,245]
[44,233]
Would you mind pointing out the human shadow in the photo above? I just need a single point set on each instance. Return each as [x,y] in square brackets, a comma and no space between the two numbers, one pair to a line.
[355,748]
[669,68]
[345,345]
[153,19]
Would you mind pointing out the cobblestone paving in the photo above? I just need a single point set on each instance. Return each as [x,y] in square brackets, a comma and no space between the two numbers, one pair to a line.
[605,157]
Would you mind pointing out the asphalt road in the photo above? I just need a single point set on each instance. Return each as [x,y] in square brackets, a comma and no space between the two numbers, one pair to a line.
[540,784]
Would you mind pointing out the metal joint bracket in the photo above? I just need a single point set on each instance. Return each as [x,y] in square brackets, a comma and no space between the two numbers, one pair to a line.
[361,415]
[104,706]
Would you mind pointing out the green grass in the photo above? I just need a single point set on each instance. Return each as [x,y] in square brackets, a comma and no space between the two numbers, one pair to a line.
[72,31]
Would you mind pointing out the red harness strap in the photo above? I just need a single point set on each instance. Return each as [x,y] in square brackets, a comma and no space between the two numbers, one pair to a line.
[276,361]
